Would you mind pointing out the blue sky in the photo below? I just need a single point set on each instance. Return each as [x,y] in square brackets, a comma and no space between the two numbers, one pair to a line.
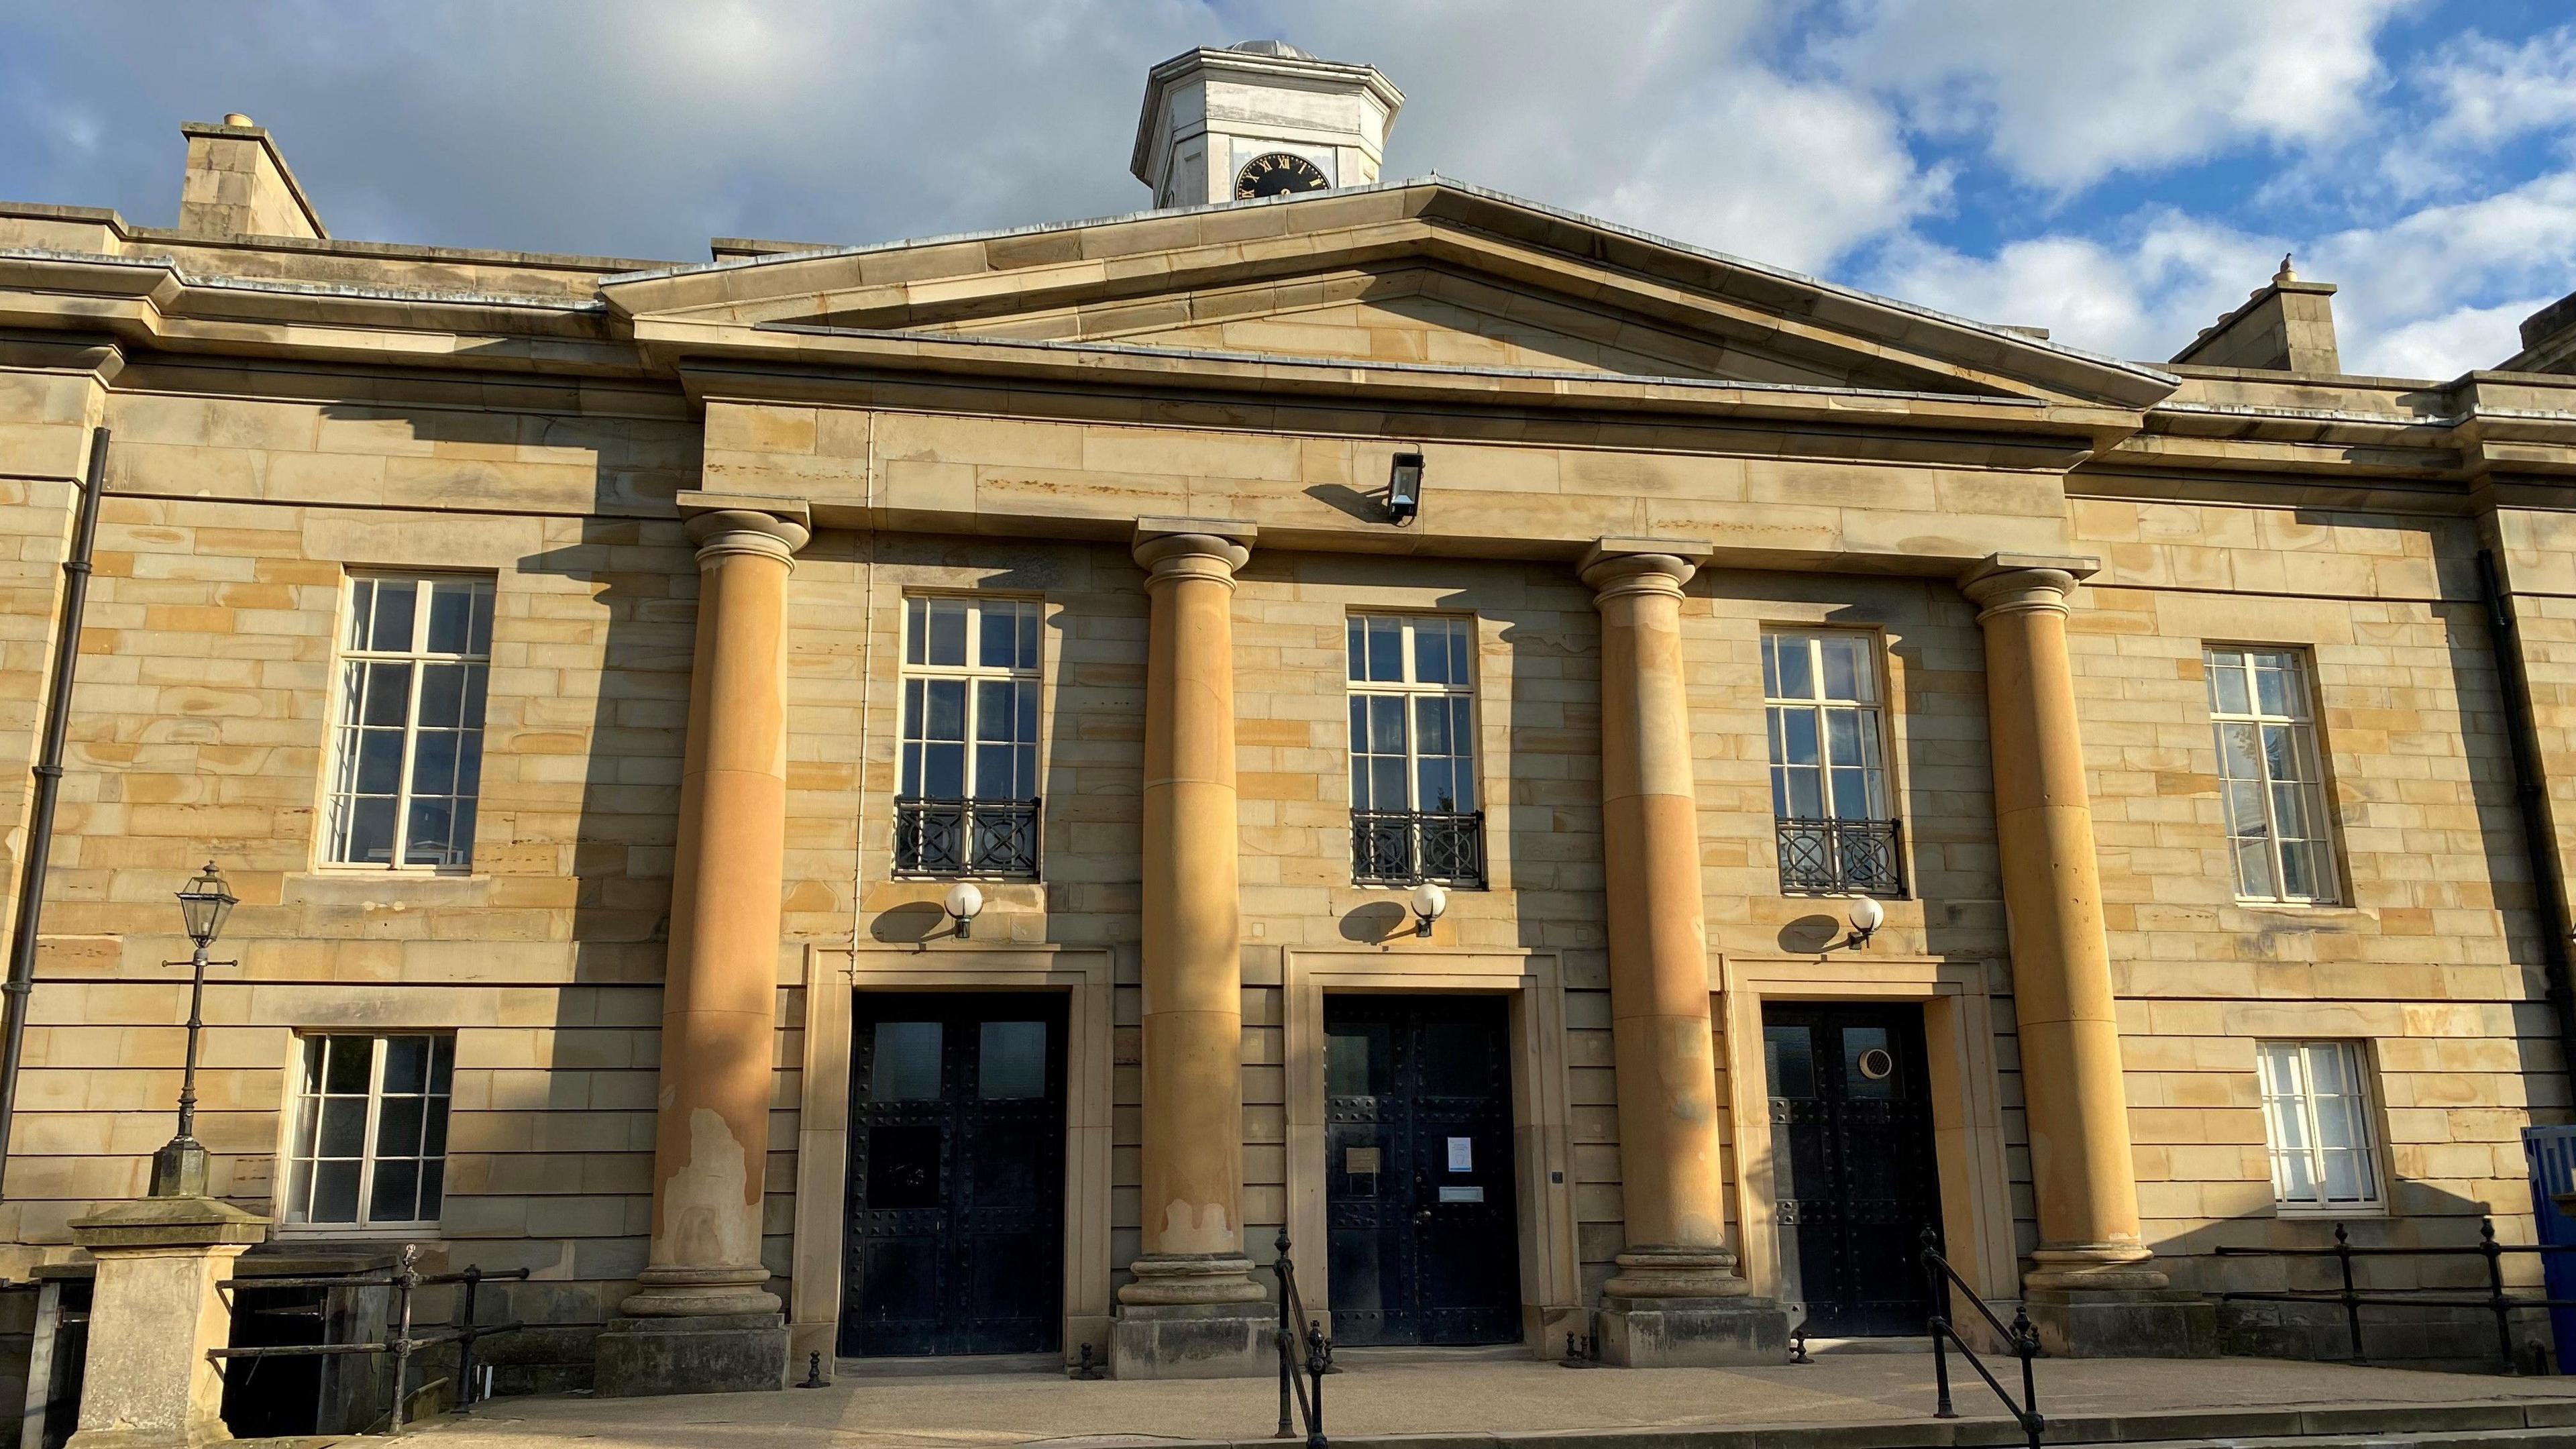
[2119,172]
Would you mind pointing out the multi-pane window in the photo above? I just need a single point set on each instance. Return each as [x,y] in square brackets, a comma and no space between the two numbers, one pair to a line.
[1414,809]
[2268,774]
[408,752]
[370,1144]
[2316,1119]
[1829,794]
[967,798]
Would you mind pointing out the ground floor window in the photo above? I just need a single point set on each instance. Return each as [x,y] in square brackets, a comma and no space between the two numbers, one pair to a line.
[2316,1119]
[370,1146]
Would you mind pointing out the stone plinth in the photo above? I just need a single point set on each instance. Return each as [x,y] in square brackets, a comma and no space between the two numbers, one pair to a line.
[148,1382]
[1693,1332]
[1194,1341]
[711,1353]
[2122,1323]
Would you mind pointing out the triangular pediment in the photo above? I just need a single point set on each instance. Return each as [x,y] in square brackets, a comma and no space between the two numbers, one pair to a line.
[1424,275]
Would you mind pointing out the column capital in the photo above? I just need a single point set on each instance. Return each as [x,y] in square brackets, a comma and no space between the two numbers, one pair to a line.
[1619,566]
[719,532]
[2009,583]
[1205,548]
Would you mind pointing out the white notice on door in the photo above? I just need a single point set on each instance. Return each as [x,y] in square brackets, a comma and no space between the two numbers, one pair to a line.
[1462,1154]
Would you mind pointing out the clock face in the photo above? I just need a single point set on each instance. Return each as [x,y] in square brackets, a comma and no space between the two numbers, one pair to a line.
[1277,174]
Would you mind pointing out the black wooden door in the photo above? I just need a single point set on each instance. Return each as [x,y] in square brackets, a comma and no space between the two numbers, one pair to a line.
[1418,1149]
[956,1197]
[1851,1163]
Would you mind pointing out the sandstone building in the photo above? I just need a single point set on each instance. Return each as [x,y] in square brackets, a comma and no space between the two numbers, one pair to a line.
[597,677]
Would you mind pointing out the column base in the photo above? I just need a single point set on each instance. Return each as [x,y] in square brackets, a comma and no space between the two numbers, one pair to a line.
[2122,1322]
[1194,1341]
[1693,1332]
[1179,1280]
[716,1353]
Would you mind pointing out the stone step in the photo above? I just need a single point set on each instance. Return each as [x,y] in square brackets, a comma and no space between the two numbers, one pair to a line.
[2494,1424]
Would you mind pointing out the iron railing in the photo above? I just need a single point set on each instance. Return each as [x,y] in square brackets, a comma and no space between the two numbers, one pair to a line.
[1843,857]
[2020,1339]
[2353,1299]
[1301,1385]
[405,1280]
[1408,847]
[966,837]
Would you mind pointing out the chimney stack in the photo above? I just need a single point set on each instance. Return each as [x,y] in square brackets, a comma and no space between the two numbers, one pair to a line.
[238,185]
[2286,326]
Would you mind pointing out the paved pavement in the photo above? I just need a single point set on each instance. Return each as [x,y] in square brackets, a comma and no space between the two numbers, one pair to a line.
[1375,1399]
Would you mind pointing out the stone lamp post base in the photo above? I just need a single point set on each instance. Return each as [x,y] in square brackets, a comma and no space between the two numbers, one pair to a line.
[148,1382]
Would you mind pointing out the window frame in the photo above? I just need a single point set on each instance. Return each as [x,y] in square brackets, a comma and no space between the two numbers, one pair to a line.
[1409,689]
[343,735]
[2360,1071]
[1874,710]
[970,674]
[300,1223]
[2307,731]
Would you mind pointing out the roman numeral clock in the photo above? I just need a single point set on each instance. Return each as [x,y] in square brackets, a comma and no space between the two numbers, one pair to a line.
[1277,174]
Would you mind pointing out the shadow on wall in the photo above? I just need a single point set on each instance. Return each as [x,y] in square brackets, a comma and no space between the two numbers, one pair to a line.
[2393,1335]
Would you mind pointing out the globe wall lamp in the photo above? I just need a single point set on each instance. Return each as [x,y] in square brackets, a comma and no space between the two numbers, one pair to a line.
[1866,917]
[963,905]
[205,903]
[1429,900]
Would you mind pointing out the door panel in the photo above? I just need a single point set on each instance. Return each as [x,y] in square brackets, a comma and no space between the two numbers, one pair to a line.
[956,1192]
[1419,1188]
[1852,1163]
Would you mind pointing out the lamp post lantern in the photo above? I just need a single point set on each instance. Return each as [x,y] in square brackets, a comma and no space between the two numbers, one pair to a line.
[179,1168]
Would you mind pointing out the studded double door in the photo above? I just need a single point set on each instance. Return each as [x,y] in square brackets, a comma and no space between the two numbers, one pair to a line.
[956,1194]
[1419,1180]
[1852,1164]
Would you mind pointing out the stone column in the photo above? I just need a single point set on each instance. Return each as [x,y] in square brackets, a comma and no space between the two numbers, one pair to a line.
[154,1313]
[1193,1309]
[702,1318]
[2093,1288]
[1677,1298]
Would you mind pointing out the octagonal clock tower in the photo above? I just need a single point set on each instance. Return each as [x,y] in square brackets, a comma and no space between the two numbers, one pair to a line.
[1260,119]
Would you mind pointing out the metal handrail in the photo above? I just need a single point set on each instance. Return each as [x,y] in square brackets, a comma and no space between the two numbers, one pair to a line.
[1304,1390]
[2023,1339]
[2354,1299]
[966,837]
[1407,847]
[405,1280]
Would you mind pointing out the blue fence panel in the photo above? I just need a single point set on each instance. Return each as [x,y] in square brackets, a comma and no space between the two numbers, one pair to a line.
[2552,1151]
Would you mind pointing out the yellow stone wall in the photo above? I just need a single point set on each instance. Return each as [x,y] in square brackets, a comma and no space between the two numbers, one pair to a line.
[244,497]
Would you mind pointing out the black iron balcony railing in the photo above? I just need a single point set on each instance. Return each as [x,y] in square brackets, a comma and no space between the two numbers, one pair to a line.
[966,837]
[1407,847]
[1843,857]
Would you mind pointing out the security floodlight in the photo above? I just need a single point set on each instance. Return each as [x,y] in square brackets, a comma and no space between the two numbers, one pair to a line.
[1404,488]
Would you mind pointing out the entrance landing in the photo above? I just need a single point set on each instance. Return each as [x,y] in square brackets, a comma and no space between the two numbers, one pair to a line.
[1887,1398]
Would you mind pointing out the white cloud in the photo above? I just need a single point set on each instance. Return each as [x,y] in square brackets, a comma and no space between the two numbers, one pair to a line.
[2446,345]
[2142,296]
[1739,171]
[2489,91]
[2063,95]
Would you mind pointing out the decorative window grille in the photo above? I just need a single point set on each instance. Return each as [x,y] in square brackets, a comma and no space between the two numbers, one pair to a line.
[1415,814]
[370,1146]
[2268,774]
[2317,1122]
[1837,834]
[416,654]
[967,799]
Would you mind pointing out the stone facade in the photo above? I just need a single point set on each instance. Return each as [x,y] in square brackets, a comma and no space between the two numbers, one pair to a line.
[2038,544]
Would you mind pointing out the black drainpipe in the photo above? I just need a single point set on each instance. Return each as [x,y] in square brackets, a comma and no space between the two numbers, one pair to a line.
[2539,841]
[49,784]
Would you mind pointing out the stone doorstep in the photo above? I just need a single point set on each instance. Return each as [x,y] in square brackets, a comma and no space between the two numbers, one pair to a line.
[2510,1425]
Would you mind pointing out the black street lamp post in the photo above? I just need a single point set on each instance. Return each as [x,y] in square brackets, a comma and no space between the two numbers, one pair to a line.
[179,1168]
